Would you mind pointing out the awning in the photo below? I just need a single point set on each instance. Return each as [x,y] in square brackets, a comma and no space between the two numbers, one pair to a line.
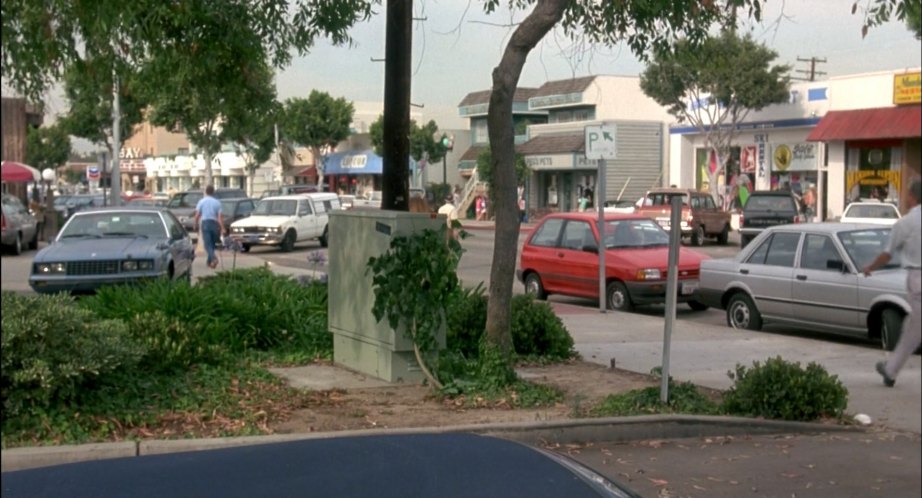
[364,162]
[310,172]
[869,124]
[13,171]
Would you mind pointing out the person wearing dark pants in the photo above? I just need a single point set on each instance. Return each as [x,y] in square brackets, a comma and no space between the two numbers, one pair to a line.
[210,221]
[905,241]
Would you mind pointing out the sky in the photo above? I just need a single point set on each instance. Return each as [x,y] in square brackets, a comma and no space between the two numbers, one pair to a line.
[456,46]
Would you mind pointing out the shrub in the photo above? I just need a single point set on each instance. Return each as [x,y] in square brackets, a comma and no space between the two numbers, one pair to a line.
[51,347]
[536,331]
[237,310]
[684,397]
[780,389]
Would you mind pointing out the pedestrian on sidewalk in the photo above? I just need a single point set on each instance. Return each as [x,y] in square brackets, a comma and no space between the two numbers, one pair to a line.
[451,216]
[905,241]
[209,220]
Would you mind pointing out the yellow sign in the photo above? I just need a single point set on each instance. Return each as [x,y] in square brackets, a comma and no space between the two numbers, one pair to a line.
[872,177]
[907,88]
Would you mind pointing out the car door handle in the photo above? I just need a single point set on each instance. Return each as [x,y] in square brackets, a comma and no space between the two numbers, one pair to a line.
[744,271]
[801,277]
[559,254]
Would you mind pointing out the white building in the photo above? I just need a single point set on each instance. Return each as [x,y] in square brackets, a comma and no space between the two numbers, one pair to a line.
[851,136]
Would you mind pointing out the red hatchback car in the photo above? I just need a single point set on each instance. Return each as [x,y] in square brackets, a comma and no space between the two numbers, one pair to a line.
[561,257]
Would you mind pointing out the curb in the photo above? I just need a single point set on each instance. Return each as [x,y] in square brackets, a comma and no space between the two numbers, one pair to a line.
[611,429]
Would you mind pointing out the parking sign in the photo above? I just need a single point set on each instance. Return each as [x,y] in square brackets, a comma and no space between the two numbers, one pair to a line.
[600,142]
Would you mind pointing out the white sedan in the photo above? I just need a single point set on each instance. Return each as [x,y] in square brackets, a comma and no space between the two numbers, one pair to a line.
[874,212]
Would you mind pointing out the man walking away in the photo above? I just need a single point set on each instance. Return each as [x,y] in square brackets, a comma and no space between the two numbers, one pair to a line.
[451,215]
[210,222]
[906,241]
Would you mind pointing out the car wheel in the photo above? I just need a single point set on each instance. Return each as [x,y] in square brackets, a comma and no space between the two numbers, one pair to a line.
[618,298]
[697,305]
[288,243]
[534,287]
[324,239]
[742,313]
[891,325]
[17,244]
[33,244]
[697,236]
[245,248]
[724,236]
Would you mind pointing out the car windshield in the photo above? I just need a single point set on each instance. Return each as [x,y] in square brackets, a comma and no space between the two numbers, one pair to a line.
[871,211]
[276,207]
[114,224]
[663,198]
[864,245]
[187,200]
[621,234]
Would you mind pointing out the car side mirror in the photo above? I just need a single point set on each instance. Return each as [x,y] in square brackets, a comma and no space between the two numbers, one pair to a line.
[836,264]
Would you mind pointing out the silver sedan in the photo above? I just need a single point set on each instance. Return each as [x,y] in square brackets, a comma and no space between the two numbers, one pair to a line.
[809,276]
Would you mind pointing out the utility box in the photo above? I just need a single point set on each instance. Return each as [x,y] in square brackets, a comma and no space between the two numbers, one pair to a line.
[360,342]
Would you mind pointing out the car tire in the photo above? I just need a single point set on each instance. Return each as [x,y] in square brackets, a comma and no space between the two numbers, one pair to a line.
[742,313]
[534,287]
[33,244]
[697,236]
[288,243]
[618,298]
[324,239]
[724,236]
[244,247]
[17,244]
[891,326]
[697,305]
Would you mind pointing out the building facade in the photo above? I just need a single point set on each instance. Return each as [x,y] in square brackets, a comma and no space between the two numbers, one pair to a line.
[851,137]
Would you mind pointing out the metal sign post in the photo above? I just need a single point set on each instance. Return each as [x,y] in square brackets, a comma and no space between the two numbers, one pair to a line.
[675,236]
[600,144]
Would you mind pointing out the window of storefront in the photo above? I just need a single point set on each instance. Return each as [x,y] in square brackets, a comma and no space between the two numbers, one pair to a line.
[873,170]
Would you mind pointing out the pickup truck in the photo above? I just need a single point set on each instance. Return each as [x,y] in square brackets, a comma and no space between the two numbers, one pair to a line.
[371,200]
[701,217]
[286,220]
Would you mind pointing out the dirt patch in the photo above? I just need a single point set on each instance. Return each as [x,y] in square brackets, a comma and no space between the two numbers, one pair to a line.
[407,406]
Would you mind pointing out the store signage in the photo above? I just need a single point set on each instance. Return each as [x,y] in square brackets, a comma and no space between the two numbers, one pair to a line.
[354,162]
[552,100]
[794,157]
[907,88]
[92,173]
[872,177]
[130,153]
[549,161]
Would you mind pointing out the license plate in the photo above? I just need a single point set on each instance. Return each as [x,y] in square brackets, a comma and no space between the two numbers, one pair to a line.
[252,238]
[689,288]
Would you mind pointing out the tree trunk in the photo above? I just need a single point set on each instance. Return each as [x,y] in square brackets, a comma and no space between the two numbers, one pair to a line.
[208,175]
[543,18]
[319,166]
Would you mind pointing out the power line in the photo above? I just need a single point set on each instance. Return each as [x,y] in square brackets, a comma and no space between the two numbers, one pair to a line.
[812,72]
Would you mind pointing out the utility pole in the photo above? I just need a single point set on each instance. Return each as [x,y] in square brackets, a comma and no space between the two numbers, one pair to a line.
[115,178]
[398,46]
[812,72]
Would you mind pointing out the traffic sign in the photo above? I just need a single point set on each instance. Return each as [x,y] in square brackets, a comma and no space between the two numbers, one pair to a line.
[600,142]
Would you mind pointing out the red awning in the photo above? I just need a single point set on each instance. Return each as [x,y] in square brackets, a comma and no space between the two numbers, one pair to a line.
[869,124]
[310,171]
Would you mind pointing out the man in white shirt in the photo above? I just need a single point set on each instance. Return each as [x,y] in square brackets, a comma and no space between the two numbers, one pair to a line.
[451,215]
[905,240]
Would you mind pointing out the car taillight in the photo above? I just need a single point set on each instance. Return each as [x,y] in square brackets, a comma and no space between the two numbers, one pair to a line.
[3,222]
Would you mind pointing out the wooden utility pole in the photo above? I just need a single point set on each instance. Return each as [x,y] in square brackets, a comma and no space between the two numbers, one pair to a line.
[397,76]
[812,72]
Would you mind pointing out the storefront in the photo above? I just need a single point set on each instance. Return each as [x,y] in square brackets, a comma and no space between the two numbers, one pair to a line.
[356,172]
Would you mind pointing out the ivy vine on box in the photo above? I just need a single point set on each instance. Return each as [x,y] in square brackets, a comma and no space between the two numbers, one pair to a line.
[412,281]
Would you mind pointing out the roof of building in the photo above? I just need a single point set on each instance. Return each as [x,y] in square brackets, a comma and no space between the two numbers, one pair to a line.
[562,87]
[473,152]
[553,144]
[483,96]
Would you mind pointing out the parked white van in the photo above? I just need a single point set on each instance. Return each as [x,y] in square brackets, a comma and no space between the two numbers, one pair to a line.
[286,220]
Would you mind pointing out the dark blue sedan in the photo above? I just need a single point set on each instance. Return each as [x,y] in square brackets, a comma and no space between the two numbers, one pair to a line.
[115,245]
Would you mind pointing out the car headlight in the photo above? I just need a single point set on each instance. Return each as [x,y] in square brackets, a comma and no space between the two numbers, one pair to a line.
[135,265]
[50,268]
[649,274]
[272,229]
[237,229]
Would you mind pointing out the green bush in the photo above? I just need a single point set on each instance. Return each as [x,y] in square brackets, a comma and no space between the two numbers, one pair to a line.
[466,320]
[51,347]
[538,332]
[779,389]
[684,397]
[171,343]
[237,310]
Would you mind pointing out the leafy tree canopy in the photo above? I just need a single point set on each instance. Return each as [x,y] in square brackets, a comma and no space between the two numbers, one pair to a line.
[319,122]
[47,147]
[41,39]
[425,141]
[877,12]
